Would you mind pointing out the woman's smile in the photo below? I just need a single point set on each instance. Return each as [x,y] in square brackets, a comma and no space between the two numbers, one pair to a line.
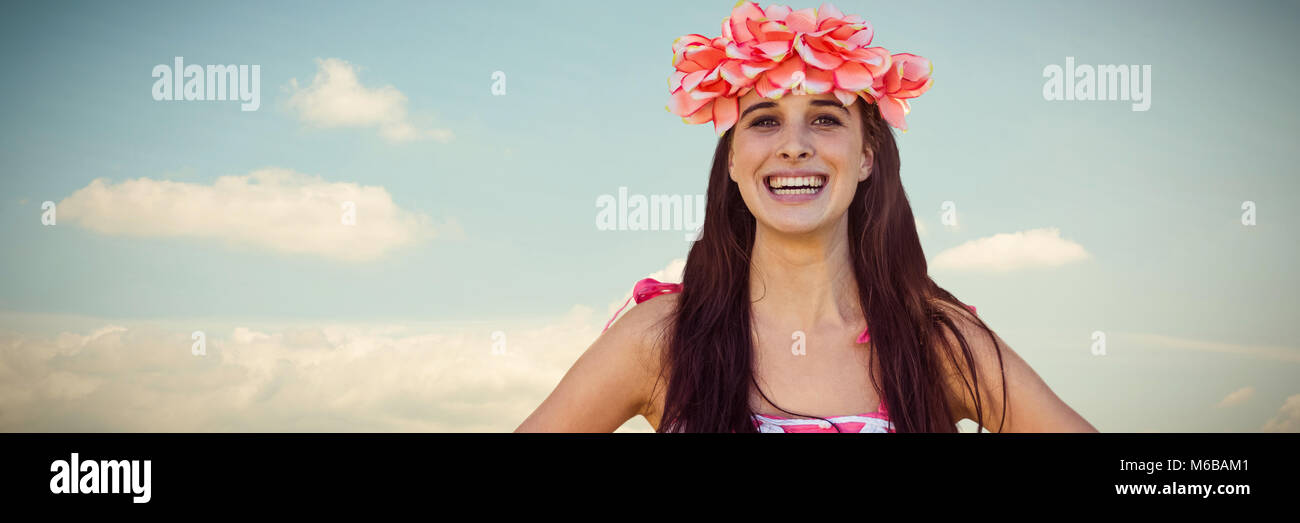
[795,186]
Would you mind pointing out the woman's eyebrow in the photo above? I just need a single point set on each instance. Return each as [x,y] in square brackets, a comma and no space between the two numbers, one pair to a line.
[765,105]
[830,103]
[755,107]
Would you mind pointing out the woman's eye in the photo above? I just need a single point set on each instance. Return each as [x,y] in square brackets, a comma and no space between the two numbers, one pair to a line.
[768,121]
[830,120]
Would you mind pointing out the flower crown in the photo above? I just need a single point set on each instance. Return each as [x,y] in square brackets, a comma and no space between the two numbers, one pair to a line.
[779,51]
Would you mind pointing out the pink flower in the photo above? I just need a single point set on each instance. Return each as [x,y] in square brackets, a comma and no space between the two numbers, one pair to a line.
[908,77]
[778,51]
[699,92]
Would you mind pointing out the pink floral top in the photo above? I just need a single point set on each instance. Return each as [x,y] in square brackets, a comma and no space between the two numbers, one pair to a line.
[877,421]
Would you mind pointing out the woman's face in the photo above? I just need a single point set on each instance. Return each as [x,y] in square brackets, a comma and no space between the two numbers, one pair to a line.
[798,160]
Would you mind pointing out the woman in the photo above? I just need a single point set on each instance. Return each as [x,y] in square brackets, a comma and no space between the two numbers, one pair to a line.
[808,284]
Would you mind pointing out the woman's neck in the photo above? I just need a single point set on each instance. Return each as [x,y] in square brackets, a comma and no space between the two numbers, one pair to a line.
[804,281]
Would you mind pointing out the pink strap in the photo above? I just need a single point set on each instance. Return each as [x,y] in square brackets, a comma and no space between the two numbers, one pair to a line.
[865,337]
[644,290]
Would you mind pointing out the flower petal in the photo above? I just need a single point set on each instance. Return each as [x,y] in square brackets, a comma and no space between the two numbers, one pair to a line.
[914,67]
[687,66]
[778,12]
[818,81]
[893,110]
[783,75]
[692,80]
[752,70]
[740,17]
[802,21]
[766,88]
[863,37]
[774,50]
[773,31]
[876,59]
[675,81]
[738,51]
[914,92]
[844,31]
[846,97]
[853,76]
[733,72]
[682,103]
[828,12]
[893,78]
[691,39]
[700,116]
[725,111]
[709,90]
[815,58]
[707,57]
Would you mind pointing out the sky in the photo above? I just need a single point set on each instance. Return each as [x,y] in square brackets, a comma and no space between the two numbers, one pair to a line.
[474,140]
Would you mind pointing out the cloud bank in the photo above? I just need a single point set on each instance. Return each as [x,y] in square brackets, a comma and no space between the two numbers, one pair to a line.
[275,209]
[472,377]
[329,377]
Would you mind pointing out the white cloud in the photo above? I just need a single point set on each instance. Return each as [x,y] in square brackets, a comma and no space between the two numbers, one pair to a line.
[1287,418]
[407,377]
[275,209]
[336,98]
[308,378]
[671,273]
[1011,251]
[1272,352]
[1237,397]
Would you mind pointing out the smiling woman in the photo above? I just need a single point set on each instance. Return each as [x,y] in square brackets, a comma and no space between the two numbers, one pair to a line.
[808,235]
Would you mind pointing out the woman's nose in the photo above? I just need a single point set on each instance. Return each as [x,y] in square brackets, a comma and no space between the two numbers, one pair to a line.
[795,147]
[795,150]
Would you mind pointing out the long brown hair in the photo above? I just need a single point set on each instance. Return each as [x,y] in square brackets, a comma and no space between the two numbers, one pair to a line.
[709,345]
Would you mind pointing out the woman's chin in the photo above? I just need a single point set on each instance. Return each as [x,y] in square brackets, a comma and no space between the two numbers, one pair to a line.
[796,225]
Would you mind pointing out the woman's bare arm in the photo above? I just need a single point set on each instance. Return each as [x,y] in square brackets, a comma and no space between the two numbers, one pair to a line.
[612,381]
[1033,407]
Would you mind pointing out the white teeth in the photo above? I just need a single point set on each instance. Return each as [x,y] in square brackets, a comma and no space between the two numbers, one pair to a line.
[777,182]
[795,191]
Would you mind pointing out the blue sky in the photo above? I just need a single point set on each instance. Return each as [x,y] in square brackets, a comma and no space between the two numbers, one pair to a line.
[1153,197]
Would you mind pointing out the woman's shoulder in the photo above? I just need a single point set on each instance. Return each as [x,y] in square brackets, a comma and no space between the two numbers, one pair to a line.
[964,320]
[990,355]
[646,323]
[645,326]
[641,334]
[656,302]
